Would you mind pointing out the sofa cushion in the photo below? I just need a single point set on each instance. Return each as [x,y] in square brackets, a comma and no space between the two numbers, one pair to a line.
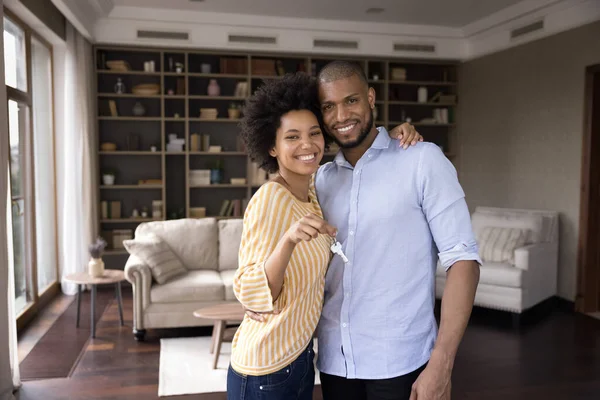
[498,244]
[227,277]
[533,222]
[155,253]
[494,274]
[195,286]
[194,241]
[230,236]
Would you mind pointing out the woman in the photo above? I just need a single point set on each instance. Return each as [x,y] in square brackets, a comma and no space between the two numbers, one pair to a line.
[285,247]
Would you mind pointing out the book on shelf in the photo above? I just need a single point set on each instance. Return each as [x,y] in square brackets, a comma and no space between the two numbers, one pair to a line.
[233,208]
[104,209]
[119,235]
[224,208]
[112,105]
[115,210]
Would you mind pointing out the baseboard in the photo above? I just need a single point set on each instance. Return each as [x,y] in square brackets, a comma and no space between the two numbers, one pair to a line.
[564,304]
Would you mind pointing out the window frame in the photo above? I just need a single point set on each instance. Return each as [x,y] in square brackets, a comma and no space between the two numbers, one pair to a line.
[38,299]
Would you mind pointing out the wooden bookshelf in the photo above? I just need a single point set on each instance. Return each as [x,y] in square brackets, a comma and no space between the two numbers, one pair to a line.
[176,109]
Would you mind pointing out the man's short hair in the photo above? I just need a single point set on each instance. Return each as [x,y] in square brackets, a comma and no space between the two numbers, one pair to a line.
[342,69]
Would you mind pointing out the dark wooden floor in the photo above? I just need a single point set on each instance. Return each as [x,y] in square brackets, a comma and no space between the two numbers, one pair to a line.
[552,357]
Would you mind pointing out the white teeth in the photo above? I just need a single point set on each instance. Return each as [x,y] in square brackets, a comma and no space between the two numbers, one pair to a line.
[346,129]
[306,158]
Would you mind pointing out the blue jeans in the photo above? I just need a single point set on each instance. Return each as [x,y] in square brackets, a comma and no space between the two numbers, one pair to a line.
[293,382]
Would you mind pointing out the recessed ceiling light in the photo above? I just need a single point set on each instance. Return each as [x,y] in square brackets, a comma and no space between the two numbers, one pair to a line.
[375,10]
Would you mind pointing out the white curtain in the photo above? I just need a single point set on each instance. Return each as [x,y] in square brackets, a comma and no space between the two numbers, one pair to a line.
[9,362]
[75,147]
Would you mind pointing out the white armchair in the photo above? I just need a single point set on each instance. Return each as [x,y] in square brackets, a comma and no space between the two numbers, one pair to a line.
[529,274]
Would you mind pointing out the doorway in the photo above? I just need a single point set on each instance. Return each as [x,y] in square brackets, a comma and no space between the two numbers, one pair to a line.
[588,252]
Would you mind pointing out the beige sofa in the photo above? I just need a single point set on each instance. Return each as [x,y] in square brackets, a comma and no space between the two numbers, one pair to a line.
[209,251]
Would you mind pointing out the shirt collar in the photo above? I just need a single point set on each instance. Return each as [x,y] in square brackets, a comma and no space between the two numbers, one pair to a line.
[382,141]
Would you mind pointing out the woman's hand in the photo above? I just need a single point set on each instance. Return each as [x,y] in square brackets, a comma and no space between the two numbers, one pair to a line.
[259,316]
[308,228]
[407,134]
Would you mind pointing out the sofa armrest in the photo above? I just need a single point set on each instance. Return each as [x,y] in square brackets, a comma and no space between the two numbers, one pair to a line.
[533,255]
[539,263]
[140,277]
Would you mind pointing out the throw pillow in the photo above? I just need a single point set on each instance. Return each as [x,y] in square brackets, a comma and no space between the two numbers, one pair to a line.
[498,244]
[155,253]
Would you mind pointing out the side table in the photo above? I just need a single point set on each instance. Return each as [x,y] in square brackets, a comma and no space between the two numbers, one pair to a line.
[220,314]
[111,276]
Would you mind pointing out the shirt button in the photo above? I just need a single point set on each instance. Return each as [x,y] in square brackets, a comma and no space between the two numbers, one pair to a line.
[358,172]
[344,325]
[351,233]
[370,155]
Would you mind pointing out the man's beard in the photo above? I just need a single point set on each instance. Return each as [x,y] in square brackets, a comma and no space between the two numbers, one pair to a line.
[361,138]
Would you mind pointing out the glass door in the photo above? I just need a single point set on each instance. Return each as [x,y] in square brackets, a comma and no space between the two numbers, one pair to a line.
[32,217]
[18,124]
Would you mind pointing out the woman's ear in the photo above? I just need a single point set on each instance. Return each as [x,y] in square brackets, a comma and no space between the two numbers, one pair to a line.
[272,153]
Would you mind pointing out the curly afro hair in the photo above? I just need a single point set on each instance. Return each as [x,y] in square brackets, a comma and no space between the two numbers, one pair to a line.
[264,109]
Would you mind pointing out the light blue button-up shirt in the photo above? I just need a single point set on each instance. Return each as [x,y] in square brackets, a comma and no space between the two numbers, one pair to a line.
[396,212]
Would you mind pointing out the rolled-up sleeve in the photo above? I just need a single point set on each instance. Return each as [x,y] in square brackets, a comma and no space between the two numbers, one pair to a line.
[264,223]
[444,206]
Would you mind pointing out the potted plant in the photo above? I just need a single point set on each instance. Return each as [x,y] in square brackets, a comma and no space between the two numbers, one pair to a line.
[108,176]
[234,111]
[96,265]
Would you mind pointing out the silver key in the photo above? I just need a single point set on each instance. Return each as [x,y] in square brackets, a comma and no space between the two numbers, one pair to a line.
[336,248]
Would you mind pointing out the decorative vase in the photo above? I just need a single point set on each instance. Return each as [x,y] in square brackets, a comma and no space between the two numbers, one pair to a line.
[215,176]
[422,94]
[108,180]
[234,113]
[138,109]
[213,88]
[96,267]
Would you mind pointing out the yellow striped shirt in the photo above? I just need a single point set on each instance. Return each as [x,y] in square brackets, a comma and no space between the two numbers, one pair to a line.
[260,348]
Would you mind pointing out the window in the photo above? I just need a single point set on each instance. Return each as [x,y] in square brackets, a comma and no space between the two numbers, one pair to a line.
[33,244]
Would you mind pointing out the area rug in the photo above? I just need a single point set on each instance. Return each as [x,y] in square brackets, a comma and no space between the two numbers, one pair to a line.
[186,367]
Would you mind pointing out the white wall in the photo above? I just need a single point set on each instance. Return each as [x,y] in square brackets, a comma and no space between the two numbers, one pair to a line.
[521,129]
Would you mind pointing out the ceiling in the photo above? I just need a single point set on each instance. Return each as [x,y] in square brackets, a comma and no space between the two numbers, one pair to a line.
[447,13]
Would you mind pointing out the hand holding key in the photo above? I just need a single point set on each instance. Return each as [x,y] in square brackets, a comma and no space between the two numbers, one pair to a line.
[308,228]
[336,248]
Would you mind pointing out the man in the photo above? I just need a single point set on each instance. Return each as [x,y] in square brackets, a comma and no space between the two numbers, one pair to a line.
[378,337]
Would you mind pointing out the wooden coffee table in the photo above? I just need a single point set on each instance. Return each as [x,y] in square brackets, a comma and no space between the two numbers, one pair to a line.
[221,313]
[111,276]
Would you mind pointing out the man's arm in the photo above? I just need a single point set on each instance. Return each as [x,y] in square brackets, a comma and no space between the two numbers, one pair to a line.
[457,303]
[448,216]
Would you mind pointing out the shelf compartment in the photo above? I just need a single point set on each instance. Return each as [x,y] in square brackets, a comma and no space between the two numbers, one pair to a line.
[111,72]
[105,118]
[128,95]
[221,153]
[219,186]
[131,187]
[416,103]
[128,220]
[130,153]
